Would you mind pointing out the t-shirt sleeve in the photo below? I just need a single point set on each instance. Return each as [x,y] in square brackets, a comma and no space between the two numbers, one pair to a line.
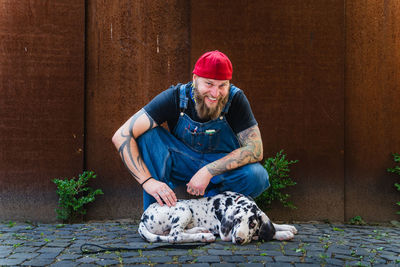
[240,115]
[162,107]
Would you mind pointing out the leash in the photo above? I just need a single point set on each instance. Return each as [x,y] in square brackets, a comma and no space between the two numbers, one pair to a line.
[88,248]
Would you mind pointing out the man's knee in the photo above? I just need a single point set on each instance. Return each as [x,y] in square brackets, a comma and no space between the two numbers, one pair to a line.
[257,179]
[152,135]
[155,141]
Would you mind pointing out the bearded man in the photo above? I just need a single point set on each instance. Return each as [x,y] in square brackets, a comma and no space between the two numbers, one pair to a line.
[214,143]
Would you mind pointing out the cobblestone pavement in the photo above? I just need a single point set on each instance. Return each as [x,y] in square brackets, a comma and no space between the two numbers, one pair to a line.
[315,245]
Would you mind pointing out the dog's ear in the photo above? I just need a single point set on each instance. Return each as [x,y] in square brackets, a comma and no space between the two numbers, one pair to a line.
[267,229]
[262,217]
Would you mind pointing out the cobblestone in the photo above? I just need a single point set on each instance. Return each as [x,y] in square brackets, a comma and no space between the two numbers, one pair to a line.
[315,245]
[38,262]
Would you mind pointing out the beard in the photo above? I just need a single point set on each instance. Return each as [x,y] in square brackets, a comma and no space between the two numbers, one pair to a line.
[203,111]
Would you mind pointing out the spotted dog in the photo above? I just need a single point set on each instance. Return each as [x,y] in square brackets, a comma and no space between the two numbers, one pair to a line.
[232,216]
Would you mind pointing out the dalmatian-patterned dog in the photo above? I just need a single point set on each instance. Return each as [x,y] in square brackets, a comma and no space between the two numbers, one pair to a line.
[232,216]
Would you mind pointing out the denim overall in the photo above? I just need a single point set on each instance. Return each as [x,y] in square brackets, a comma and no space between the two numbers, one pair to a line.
[175,158]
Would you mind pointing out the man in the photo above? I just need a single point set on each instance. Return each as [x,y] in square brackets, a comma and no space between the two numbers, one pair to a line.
[213,145]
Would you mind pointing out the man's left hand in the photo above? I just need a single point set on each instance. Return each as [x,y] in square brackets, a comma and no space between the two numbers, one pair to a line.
[199,182]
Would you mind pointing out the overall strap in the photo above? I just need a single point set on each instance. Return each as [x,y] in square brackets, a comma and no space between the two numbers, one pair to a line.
[183,99]
[232,91]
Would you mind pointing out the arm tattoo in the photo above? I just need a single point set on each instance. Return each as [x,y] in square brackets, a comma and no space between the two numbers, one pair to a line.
[137,163]
[250,151]
[251,141]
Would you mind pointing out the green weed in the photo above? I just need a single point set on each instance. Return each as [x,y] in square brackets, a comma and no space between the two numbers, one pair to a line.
[278,171]
[357,220]
[396,170]
[74,194]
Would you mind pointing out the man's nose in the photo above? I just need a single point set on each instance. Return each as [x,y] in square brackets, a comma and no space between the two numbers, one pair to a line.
[214,91]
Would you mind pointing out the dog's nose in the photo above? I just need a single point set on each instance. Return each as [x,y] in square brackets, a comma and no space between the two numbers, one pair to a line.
[239,240]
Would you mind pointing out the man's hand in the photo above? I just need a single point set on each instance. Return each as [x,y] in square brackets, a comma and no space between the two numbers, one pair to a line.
[199,182]
[161,192]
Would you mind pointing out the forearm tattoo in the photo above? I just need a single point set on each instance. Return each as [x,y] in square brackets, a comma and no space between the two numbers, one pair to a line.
[250,151]
[125,150]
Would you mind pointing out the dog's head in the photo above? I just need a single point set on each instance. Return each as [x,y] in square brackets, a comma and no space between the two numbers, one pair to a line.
[245,222]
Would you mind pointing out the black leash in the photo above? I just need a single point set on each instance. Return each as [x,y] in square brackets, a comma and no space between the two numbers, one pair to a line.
[88,248]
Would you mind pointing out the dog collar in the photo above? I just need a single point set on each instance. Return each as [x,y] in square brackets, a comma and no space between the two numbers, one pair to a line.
[238,197]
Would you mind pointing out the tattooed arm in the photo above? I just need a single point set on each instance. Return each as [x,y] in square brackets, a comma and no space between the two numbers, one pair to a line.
[125,141]
[251,151]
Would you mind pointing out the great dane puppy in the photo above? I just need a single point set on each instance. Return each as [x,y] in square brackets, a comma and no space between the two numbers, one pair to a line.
[232,216]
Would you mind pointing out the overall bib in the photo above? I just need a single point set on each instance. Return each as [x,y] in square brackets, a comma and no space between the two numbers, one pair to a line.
[175,158]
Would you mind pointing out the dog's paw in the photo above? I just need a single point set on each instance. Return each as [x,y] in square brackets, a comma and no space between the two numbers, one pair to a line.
[203,230]
[293,229]
[284,235]
[285,227]
[197,230]
[208,237]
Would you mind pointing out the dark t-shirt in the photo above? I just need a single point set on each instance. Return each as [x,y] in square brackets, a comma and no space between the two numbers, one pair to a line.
[165,108]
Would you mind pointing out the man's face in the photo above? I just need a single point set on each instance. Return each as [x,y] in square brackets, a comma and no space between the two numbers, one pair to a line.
[210,95]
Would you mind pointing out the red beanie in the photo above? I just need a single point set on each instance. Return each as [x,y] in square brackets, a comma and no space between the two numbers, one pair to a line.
[214,65]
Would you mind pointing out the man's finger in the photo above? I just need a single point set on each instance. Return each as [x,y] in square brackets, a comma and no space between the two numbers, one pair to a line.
[158,199]
[169,200]
[191,191]
[163,193]
[172,197]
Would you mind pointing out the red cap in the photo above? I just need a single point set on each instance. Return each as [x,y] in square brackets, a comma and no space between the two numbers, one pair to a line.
[214,65]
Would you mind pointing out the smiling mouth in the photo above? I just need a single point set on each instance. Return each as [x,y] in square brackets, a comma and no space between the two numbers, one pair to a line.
[212,99]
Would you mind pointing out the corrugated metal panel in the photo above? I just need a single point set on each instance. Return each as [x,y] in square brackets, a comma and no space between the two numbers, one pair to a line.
[372,108]
[288,57]
[41,103]
[135,50]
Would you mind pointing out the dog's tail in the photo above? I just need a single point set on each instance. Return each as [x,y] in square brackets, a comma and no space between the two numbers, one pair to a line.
[149,236]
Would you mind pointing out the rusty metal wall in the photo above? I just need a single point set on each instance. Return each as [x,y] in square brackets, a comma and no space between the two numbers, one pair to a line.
[288,57]
[135,50]
[321,76]
[372,108]
[41,103]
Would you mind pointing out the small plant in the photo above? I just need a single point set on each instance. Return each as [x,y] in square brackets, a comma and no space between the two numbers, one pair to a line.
[278,171]
[74,195]
[357,220]
[337,229]
[396,170]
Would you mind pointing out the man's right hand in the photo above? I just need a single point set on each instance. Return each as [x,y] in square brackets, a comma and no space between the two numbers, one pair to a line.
[161,192]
